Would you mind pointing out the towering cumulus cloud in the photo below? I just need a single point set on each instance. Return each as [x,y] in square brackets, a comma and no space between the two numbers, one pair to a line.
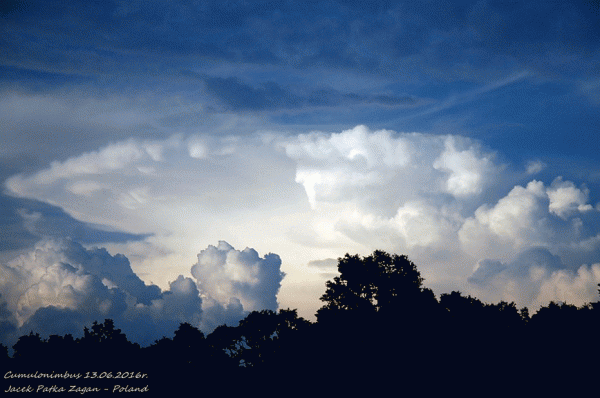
[223,273]
[59,287]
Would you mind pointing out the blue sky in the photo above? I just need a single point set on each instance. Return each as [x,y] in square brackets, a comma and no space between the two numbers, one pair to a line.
[463,134]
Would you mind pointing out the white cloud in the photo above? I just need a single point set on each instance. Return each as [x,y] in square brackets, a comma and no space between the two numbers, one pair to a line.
[359,164]
[468,170]
[420,224]
[566,199]
[224,273]
[516,221]
[535,166]
[183,201]
[310,197]
[60,285]
[531,216]
[327,264]
[414,186]
[85,188]
[577,288]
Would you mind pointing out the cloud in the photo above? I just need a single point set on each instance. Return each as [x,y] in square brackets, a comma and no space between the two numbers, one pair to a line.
[113,157]
[180,303]
[409,43]
[328,264]
[415,189]
[445,201]
[185,190]
[23,222]
[518,220]
[441,200]
[63,274]
[59,287]
[223,273]
[535,166]
[566,199]
[530,216]
[538,243]
[534,278]
[51,276]
[359,162]
[135,177]
[215,313]
[466,169]
[239,96]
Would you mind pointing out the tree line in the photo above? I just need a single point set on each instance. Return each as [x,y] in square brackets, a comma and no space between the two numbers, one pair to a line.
[379,327]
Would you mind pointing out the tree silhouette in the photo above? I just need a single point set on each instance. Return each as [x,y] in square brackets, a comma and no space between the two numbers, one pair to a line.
[28,348]
[377,312]
[378,325]
[380,283]
[63,350]
[104,342]
[191,348]
[260,337]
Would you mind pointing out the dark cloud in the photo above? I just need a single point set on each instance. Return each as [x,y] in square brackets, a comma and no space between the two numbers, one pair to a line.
[48,35]
[7,319]
[519,268]
[24,221]
[116,269]
[535,277]
[52,320]
[328,264]
[264,51]
[239,96]
[34,81]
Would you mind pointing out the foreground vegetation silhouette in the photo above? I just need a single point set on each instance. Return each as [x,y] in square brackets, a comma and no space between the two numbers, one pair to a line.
[378,328]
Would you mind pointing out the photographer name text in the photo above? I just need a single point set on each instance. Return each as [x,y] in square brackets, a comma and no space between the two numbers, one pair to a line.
[80,389]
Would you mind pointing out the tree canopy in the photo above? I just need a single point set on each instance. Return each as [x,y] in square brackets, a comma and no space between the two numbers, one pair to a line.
[378,322]
[380,282]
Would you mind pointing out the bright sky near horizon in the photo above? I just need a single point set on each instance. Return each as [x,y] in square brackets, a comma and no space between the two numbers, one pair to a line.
[194,160]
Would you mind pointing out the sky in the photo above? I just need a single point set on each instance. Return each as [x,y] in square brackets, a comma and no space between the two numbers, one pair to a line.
[190,161]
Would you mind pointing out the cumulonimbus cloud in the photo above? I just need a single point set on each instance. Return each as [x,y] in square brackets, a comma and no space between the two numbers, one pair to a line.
[446,201]
[415,188]
[331,165]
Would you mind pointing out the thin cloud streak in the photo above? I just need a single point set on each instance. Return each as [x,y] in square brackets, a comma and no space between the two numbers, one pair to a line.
[468,96]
